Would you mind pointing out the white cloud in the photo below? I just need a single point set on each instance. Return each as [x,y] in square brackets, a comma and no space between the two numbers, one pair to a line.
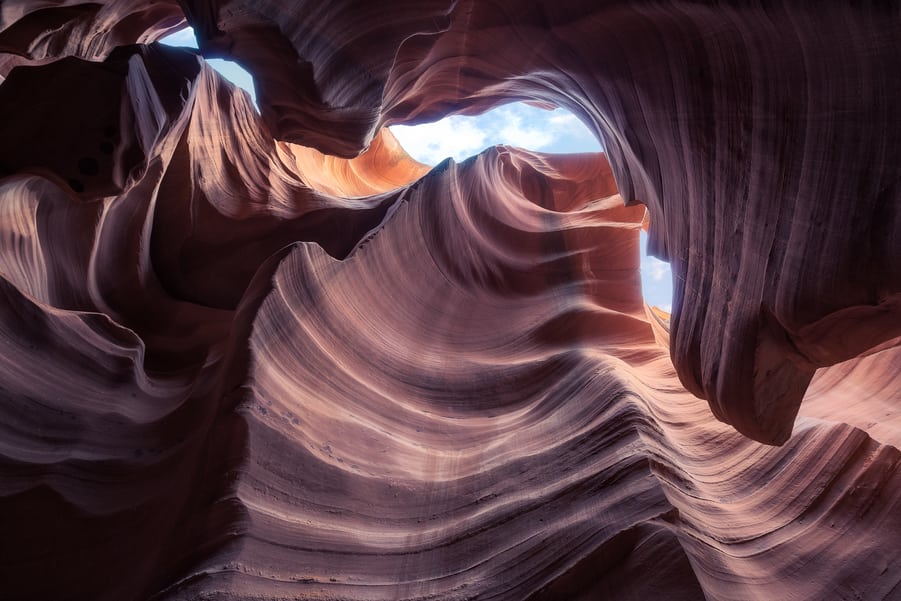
[565,120]
[431,143]
[655,269]
[514,124]
[656,278]
[459,137]
[512,131]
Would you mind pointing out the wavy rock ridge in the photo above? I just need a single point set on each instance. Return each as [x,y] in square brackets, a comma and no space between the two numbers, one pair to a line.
[240,361]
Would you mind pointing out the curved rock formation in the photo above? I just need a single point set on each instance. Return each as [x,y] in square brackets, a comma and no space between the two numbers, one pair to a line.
[239,361]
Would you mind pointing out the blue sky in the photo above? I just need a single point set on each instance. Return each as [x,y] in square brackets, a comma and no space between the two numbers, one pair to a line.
[656,279]
[516,124]
[459,137]
[234,73]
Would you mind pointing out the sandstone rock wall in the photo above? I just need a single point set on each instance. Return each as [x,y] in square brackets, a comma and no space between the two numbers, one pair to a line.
[241,360]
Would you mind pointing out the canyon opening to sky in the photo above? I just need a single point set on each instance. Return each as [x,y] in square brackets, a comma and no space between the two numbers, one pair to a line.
[460,137]
[263,341]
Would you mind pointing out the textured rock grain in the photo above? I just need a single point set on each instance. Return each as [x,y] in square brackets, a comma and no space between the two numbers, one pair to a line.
[243,357]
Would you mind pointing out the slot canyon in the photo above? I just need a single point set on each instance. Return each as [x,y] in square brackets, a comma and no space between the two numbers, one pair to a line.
[258,352]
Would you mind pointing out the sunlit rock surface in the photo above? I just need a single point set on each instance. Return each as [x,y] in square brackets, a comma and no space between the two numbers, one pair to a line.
[239,361]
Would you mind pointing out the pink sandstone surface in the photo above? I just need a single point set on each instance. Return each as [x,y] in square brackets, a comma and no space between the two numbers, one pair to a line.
[269,356]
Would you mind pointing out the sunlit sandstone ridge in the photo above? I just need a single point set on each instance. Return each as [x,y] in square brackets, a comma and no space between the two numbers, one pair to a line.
[241,357]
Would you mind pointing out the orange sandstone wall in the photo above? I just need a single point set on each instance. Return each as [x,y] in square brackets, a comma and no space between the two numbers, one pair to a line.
[244,357]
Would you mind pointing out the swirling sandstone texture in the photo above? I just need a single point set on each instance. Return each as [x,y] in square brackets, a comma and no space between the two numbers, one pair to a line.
[241,358]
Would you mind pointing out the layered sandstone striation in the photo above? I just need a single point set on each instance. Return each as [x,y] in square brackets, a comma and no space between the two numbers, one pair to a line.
[267,355]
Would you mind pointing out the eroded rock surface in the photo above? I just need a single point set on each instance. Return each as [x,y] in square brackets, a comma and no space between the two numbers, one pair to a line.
[238,360]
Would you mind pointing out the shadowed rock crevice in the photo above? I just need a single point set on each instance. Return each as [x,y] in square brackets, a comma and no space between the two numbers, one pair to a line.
[232,366]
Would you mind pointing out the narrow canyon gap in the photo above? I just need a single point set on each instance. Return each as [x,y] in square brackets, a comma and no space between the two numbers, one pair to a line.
[259,352]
